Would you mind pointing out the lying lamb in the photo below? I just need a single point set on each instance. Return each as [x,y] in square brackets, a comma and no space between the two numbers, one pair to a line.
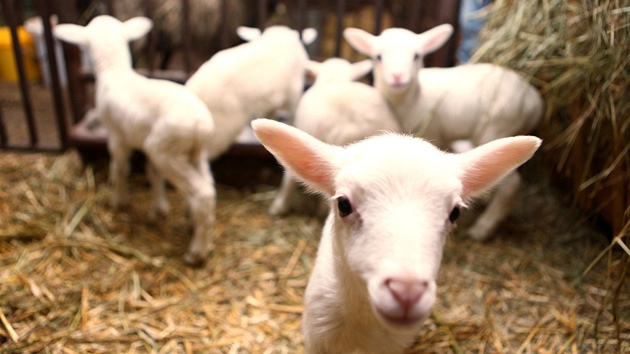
[475,102]
[337,111]
[393,201]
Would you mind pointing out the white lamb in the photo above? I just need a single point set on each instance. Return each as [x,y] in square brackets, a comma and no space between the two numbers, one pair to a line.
[251,80]
[170,124]
[393,200]
[337,111]
[475,102]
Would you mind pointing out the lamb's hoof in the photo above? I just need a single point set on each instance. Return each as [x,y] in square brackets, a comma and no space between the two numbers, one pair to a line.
[194,259]
[278,208]
[118,202]
[159,212]
[196,256]
[479,232]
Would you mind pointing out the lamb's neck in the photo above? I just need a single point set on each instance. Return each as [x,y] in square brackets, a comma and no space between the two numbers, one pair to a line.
[110,62]
[401,101]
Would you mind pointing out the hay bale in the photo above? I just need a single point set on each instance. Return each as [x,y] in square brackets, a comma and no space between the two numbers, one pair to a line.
[577,54]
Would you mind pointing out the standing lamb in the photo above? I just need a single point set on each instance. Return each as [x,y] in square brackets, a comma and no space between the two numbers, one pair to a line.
[254,79]
[475,102]
[170,124]
[338,111]
[393,200]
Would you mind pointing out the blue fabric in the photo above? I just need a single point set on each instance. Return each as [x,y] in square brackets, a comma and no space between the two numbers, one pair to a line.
[470,23]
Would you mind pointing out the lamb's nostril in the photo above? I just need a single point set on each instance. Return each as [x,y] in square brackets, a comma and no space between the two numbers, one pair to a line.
[407,292]
[397,77]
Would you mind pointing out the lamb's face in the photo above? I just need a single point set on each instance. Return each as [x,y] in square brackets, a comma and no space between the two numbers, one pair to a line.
[105,38]
[397,53]
[396,60]
[392,222]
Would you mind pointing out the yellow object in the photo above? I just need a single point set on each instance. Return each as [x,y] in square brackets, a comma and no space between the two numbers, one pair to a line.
[8,68]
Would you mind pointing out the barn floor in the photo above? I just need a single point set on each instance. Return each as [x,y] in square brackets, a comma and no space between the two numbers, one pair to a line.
[78,277]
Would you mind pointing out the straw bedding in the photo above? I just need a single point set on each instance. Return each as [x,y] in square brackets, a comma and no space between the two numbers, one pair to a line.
[77,276]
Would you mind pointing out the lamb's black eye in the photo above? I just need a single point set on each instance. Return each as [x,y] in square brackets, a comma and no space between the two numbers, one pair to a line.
[454,214]
[344,206]
[379,57]
[416,57]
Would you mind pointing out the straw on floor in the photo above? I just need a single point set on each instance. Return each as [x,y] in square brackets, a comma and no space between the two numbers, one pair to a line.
[77,276]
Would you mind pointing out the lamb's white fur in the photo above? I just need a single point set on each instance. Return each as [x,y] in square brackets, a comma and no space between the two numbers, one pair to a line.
[393,199]
[170,124]
[476,102]
[254,79]
[337,110]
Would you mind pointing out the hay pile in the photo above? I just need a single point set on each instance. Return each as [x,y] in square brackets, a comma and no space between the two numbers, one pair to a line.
[78,277]
[578,54]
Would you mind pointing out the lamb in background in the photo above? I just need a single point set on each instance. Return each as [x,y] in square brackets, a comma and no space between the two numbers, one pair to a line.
[393,200]
[167,122]
[475,102]
[338,111]
[254,79]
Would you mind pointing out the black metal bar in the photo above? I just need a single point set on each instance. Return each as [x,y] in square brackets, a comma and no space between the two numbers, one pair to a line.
[447,13]
[60,114]
[414,16]
[301,19]
[3,131]
[225,36]
[149,11]
[11,20]
[110,8]
[378,17]
[186,36]
[68,13]
[341,8]
[263,6]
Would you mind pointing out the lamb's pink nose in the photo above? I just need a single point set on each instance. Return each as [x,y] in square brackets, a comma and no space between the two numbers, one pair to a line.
[397,78]
[407,291]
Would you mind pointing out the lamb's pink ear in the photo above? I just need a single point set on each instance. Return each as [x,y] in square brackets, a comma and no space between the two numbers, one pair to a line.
[313,67]
[433,39]
[360,40]
[248,34]
[71,33]
[485,166]
[137,27]
[361,68]
[310,159]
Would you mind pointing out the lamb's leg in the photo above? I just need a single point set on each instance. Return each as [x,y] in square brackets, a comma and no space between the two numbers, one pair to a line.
[161,205]
[498,208]
[202,209]
[118,171]
[198,189]
[282,203]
